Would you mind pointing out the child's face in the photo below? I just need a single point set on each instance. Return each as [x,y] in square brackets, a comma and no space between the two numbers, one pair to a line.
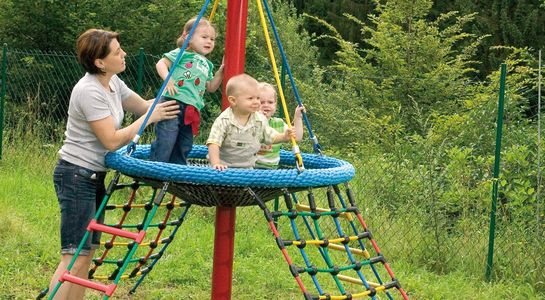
[267,97]
[203,39]
[246,101]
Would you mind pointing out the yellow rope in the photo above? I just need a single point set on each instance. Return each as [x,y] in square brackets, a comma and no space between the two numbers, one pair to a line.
[106,277]
[213,12]
[354,251]
[354,296]
[356,280]
[102,243]
[296,151]
[301,207]
[142,205]
[321,242]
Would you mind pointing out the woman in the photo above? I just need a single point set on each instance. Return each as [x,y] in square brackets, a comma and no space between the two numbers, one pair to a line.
[93,128]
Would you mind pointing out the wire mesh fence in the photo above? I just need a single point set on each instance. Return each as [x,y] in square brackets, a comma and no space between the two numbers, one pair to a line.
[431,212]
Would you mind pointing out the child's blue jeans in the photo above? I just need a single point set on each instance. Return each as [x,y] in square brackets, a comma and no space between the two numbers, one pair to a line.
[173,140]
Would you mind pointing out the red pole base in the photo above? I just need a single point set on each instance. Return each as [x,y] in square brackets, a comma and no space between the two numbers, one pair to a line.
[224,244]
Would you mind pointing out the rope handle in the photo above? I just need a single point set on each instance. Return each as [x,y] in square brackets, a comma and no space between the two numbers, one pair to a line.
[316,146]
[297,153]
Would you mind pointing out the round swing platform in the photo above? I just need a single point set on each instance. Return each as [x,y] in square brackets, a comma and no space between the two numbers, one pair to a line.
[198,183]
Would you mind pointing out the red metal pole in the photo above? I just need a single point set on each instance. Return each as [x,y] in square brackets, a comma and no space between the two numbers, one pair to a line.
[235,42]
[224,239]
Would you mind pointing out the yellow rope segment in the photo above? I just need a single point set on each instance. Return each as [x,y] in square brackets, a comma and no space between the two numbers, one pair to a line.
[106,277]
[355,296]
[213,12]
[296,151]
[102,243]
[354,251]
[301,207]
[356,280]
[320,242]
[142,205]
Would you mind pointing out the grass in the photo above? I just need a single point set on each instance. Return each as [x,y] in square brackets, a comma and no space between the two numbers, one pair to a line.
[29,245]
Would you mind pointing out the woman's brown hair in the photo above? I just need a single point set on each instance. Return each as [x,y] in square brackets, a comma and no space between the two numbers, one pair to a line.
[94,44]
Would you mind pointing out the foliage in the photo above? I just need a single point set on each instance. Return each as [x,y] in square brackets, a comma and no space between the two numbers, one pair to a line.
[29,24]
[407,107]
[153,25]
[508,23]
[409,73]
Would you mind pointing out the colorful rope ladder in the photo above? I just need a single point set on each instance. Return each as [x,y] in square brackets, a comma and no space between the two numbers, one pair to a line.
[322,237]
[132,229]
[341,251]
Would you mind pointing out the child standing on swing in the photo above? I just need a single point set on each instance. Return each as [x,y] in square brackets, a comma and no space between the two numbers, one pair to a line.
[192,76]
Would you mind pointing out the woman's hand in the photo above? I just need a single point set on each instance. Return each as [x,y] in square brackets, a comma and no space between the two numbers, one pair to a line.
[164,111]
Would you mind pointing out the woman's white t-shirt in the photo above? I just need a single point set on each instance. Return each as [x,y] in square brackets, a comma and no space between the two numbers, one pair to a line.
[89,102]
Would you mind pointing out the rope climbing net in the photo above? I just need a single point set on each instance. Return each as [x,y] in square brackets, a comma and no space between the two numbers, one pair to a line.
[320,233]
[128,251]
[325,237]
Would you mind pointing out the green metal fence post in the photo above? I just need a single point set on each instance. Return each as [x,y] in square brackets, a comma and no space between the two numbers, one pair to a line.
[3,92]
[496,175]
[140,75]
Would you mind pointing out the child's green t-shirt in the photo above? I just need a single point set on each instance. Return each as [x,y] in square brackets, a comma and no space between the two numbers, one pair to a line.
[190,76]
[268,156]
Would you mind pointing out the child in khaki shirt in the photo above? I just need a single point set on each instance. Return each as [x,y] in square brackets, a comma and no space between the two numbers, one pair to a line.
[238,132]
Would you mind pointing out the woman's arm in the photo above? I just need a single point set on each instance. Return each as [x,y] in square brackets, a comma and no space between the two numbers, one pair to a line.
[136,104]
[113,138]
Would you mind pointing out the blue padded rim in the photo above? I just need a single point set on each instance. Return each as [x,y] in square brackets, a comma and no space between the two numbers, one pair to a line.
[319,170]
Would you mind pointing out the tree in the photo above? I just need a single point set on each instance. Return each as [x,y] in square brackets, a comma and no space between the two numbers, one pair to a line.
[414,63]
[36,24]
[508,23]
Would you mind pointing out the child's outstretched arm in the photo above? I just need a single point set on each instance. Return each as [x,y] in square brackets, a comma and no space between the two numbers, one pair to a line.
[163,67]
[214,84]
[214,157]
[298,122]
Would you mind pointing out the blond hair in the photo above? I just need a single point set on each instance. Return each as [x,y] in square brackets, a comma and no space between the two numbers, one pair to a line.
[265,85]
[187,28]
[239,82]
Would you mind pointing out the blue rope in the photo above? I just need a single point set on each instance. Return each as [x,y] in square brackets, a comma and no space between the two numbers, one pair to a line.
[313,236]
[316,146]
[132,145]
[305,256]
[302,250]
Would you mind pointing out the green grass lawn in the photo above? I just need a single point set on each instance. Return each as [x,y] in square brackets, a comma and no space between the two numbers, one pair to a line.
[29,245]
